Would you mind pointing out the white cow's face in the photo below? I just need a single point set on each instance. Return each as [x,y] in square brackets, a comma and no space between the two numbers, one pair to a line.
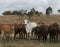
[26,22]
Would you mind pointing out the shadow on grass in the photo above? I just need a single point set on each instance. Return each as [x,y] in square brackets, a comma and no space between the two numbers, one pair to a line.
[27,43]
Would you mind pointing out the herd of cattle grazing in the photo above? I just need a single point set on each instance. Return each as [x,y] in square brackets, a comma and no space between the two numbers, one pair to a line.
[30,30]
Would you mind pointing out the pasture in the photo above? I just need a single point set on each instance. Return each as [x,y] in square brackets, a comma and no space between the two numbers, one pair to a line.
[27,43]
[11,19]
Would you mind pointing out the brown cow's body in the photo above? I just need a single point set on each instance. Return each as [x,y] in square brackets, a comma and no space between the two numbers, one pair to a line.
[11,30]
[6,31]
[0,28]
[19,29]
[53,31]
[41,31]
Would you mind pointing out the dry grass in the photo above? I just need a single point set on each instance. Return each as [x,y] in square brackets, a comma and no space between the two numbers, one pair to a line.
[17,19]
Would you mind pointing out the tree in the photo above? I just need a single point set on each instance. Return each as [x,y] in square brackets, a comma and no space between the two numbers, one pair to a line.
[49,10]
[36,12]
[7,13]
[32,11]
[59,10]
[22,12]
[41,13]
[25,12]
[15,12]
[29,14]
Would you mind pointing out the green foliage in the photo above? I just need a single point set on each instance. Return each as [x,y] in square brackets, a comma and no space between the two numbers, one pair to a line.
[32,11]
[59,10]
[49,10]
[7,13]
[36,12]
[22,12]
[15,12]
[41,13]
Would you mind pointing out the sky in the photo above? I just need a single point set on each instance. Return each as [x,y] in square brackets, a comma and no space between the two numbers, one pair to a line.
[39,5]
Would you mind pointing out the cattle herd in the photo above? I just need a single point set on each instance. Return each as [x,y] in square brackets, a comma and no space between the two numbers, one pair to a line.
[40,32]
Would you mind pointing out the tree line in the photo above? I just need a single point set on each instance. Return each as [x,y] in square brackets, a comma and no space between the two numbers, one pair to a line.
[22,12]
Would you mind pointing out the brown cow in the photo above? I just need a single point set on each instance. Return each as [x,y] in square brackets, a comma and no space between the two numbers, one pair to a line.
[19,29]
[0,28]
[41,31]
[6,31]
[54,31]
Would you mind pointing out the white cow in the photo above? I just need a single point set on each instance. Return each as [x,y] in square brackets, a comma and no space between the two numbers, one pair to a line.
[29,26]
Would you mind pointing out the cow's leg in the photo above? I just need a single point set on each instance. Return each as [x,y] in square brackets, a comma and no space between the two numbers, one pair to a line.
[28,35]
[24,35]
[39,37]
[57,37]
[46,37]
[14,35]
[20,35]
[32,35]
[54,38]
[50,35]
[36,36]
[43,37]
[2,35]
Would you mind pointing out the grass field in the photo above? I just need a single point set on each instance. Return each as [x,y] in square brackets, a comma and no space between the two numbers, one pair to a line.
[42,18]
[28,43]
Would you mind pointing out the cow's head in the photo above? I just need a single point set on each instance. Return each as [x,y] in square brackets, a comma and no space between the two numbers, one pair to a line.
[26,21]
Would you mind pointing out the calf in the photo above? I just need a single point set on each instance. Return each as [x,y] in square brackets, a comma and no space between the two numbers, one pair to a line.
[6,31]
